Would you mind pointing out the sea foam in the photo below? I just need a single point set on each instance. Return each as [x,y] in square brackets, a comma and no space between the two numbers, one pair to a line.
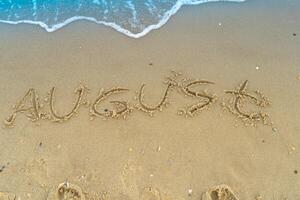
[132,18]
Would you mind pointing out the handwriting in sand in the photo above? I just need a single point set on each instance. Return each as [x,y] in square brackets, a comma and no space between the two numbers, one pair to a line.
[31,105]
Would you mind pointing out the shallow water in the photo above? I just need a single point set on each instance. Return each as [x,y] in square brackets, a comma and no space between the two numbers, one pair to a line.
[133,18]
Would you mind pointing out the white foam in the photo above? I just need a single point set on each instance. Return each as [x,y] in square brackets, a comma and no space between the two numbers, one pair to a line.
[117,27]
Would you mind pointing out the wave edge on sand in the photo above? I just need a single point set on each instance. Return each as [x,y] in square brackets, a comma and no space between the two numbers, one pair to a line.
[117,27]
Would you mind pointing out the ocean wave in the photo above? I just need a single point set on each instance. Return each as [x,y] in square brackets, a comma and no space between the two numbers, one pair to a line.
[132,18]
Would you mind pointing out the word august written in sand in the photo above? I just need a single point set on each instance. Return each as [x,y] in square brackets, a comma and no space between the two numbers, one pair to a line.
[34,110]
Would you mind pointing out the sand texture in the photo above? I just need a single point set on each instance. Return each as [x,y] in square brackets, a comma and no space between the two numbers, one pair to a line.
[207,107]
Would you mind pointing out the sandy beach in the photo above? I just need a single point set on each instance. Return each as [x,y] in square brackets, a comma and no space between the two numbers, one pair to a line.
[175,150]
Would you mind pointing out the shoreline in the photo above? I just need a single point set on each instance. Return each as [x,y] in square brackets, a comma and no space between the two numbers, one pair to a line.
[117,27]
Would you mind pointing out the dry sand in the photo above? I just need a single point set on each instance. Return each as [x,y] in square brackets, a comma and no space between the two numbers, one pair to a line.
[166,156]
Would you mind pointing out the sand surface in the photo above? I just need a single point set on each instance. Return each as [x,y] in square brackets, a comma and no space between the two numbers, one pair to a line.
[165,156]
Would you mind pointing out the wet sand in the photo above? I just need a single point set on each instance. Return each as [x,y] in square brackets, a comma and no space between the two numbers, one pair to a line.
[168,155]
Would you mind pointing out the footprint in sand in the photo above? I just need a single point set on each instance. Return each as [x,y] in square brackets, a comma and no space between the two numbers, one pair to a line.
[220,192]
[7,196]
[66,191]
